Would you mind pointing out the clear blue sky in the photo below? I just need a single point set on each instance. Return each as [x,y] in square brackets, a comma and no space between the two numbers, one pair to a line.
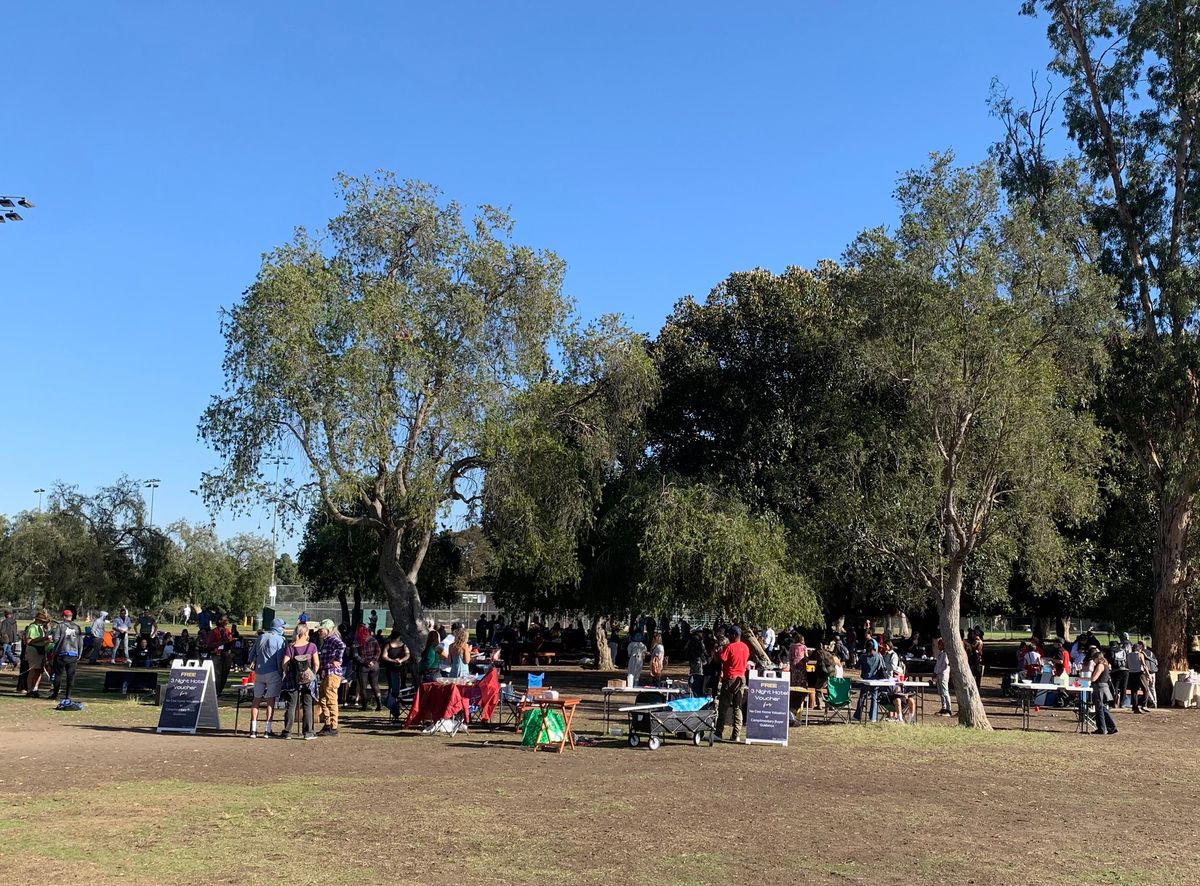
[655,146]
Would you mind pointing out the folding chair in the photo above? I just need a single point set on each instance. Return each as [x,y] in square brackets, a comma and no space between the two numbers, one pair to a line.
[535,681]
[403,703]
[836,699]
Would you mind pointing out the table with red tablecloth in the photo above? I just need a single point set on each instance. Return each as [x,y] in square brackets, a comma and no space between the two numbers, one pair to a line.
[437,701]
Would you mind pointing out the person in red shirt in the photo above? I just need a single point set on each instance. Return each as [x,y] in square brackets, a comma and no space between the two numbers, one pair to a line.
[733,658]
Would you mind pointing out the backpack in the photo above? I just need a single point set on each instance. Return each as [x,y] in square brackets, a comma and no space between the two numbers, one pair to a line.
[1119,658]
[1151,662]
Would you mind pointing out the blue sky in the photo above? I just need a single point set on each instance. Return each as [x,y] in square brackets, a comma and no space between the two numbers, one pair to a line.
[655,146]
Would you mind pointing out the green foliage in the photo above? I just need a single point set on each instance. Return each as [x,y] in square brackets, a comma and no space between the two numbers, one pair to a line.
[571,437]
[408,355]
[988,330]
[704,549]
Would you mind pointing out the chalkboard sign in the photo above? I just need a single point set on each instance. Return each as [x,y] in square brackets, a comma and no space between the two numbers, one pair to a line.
[189,699]
[767,711]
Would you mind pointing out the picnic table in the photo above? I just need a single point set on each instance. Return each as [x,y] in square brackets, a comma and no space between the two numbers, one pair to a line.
[1082,695]
[891,683]
[608,692]
[1026,692]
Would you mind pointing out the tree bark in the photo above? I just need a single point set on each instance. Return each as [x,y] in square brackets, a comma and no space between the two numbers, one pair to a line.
[1064,628]
[1042,625]
[604,660]
[1170,617]
[756,650]
[344,601]
[404,602]
[970,705]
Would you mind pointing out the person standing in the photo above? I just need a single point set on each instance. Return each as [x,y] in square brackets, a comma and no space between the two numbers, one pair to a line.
[220,647]
[373,621]
[97,630]
[368,667]
[332,650]
[658,660]
[8,637]
[68,647]
[636,652]
[147,626]
[872,669]
[1135,666]
[1118,659]
[733,658]
[301,661]
[34,639]
[268,675]
[1151,675]
[1102,692]
[941,673]
[186,612]
[122,625]
[460,655]
[395,656]
[975,656]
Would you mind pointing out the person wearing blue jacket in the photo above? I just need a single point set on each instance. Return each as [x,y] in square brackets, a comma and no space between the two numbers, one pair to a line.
[872,669]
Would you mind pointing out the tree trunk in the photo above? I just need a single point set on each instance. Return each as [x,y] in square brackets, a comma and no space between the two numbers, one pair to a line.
[356,613]
[970,705]
[1170,591]
[756,650]
[604,660]
[345,604]
[404,602]
[1042,625]
[1064,628]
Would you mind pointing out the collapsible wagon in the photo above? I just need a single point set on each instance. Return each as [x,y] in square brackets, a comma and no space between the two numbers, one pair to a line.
[694,717]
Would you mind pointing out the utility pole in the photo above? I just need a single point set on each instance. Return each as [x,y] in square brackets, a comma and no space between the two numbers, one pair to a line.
[152,485]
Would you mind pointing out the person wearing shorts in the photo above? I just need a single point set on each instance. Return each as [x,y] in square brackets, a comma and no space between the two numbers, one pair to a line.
[268,674]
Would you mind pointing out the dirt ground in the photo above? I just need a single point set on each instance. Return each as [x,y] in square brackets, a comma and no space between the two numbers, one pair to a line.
[98,797]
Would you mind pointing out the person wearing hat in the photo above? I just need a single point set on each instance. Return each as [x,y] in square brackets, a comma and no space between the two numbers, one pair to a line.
[34,640]
[268,674]
[332,650]
[8,636]
[733,658]
[68,646]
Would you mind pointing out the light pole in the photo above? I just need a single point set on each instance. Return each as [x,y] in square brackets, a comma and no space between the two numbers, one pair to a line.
[152,485]
[39,492]
[8,208]
[277,461]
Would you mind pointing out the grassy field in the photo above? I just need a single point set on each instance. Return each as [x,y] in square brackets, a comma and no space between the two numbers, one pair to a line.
[98,797]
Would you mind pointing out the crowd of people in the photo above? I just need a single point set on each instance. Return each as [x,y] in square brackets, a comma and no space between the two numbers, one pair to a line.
[322,668]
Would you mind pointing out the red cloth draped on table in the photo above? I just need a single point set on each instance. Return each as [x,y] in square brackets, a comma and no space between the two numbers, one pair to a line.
[436,701]
[485,695]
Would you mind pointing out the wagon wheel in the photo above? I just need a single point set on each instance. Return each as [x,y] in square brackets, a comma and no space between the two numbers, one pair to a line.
[654,743]
[696,739]
[634,739]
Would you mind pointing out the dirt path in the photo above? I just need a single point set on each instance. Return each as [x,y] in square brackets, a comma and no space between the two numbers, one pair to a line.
[98,793]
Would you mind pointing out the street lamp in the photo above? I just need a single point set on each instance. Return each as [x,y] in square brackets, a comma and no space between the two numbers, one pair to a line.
[8,208]
[277,461]
[152,485]
[39,492]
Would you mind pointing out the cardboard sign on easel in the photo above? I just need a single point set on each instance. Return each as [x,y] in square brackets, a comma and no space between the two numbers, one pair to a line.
[189,699]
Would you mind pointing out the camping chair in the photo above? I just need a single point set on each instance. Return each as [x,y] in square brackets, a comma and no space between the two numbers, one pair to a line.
[526,702]
[836,699]
[535,681]
[402,703]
